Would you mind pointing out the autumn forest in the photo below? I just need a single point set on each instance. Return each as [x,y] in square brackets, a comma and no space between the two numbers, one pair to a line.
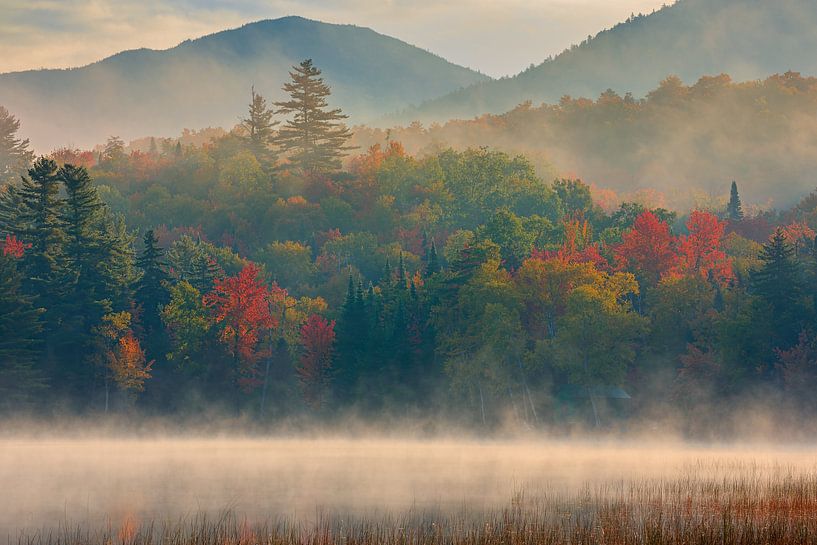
[280,270]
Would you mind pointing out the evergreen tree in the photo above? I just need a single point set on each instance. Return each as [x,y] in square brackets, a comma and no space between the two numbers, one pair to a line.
[315,137]
[258,127]
[15,157]
[20,339]
[98,273]
[734,209]
[152,293]
[778,283]
[40,224]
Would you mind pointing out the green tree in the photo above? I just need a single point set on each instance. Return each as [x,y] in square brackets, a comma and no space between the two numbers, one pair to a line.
[15,155]
[779,284]
[258,130]
[734,209]
[152,292]
[315,137]
[20,338]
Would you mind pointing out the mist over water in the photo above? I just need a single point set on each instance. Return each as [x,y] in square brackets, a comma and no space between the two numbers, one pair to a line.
[92,482]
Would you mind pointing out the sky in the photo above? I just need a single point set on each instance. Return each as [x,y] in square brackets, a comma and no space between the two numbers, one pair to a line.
[497,37]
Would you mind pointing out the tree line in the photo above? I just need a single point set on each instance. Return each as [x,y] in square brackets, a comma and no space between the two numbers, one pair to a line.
[256,274]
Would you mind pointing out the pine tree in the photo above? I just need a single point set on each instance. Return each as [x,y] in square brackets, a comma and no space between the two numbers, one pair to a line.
[258,127]
[152,293]
[98,272]
[20,338]
[315,137]
[734,209]
[40,224]
[778,283]
[15,156]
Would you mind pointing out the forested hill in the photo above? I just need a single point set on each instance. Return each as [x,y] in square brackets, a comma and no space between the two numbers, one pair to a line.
[207,81]
[748,39]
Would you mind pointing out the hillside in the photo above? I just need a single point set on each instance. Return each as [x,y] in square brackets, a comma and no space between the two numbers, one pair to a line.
[685,141]
[748,39]
[207,81]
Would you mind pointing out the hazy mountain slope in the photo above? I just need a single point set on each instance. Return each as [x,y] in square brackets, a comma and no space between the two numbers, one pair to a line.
[748,39]
[207,81]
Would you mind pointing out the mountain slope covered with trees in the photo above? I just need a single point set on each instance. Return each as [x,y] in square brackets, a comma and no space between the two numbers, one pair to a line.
[747,39]
[203,82]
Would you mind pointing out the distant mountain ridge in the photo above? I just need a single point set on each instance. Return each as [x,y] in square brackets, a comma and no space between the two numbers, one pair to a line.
[206,81]
[748,39]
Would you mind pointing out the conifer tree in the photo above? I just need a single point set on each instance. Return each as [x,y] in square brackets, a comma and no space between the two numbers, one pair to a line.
[15,155]
[20,338]
[40,224]
[734,209]
[258,127]
[315,137]
[778,283]
[152,292]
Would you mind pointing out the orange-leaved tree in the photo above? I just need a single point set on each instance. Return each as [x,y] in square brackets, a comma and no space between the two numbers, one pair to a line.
[241,307]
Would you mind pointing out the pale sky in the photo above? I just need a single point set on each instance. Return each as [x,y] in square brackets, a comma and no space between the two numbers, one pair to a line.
[498,37]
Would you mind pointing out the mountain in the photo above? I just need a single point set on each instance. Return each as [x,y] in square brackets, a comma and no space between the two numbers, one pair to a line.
[207,81]
[747,39]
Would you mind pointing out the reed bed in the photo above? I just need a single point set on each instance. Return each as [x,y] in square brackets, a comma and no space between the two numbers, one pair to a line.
[736,505]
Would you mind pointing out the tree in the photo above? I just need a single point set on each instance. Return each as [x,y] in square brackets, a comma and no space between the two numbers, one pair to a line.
[597,336]
[39,222]
[98,268]
[700,251]
[778,282]
[258,129]
[152,290]
[647,249]
[314,138]
[121,356]
[20,333]
[186,319]
[113,155]
[734,210]
[240,306]
[433,260]
[15,155]
[317,339]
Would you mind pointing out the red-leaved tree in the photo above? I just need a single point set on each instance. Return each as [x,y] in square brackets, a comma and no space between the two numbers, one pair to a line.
[700,253]
[241,305]
[647,250]
[317,339]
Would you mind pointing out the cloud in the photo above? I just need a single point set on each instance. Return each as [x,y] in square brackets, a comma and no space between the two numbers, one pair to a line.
[497,37]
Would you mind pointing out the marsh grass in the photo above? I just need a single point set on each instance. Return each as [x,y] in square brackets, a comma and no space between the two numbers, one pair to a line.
[741,505]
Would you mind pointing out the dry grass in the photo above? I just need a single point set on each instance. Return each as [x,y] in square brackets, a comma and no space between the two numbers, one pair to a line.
[727,504]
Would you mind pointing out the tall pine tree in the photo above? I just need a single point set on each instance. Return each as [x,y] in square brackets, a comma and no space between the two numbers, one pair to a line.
[15,155]
[152,294]
[779,283]
[258,129]
[734,209]
[315,137]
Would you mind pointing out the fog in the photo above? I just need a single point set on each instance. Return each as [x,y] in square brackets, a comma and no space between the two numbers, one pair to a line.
[55,480]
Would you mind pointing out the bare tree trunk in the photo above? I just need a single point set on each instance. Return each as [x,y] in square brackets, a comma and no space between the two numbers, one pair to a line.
[482,403]
[532,406]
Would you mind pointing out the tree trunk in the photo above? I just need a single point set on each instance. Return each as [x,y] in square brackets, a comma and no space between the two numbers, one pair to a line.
[482,403]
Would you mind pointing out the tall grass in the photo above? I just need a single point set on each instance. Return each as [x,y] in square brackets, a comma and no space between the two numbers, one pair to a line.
[736,505]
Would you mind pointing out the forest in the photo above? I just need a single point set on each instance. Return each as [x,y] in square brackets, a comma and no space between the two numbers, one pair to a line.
[282,270]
